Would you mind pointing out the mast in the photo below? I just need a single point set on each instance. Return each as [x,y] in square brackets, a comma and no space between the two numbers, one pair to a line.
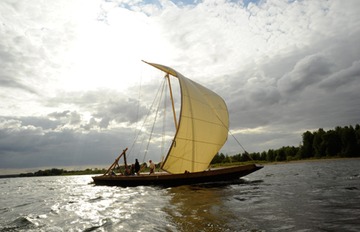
[172,100]
[116,163]
[168,71]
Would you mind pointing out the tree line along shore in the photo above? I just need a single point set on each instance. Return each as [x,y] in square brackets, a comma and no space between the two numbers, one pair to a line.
[341,142]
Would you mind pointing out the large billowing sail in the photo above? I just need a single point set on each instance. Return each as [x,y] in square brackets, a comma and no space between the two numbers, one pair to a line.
[202,128]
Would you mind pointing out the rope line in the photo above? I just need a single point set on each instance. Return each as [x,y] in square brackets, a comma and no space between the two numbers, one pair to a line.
[156,114]
[144,122]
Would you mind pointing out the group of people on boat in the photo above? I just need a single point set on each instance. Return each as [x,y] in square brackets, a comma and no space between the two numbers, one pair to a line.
[136,168]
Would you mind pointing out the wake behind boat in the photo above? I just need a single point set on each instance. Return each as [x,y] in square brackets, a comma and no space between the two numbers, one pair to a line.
[201,131]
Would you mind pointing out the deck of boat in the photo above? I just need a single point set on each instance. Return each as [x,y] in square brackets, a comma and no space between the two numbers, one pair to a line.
[168,180]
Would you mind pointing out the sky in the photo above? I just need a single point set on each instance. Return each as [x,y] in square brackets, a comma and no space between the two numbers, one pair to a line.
[74,90]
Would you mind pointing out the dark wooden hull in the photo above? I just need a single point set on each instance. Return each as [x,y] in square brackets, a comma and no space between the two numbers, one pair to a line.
[170,180]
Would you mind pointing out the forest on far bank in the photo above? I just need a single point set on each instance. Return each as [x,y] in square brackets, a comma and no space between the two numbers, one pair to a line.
[339,142]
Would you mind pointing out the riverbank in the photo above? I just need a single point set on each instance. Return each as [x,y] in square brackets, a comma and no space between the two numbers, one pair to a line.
[261,162]
[310,160]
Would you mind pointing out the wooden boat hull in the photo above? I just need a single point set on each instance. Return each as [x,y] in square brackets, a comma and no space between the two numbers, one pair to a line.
[169,180]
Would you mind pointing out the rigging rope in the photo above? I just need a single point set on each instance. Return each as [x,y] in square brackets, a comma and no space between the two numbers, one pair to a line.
[156,114]
[137,115]
[145,121]
[245,152]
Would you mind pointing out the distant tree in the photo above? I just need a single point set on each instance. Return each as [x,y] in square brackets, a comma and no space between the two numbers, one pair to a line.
[357,135]
[263,155]
[236,158]
[255,156]
[280,154]
[218,158]
[227,159]
[215,160]
[341,141]
[56,172]
[318,143]
[290,152]
[348,141]
[332,143]
[307,150]
[270,155]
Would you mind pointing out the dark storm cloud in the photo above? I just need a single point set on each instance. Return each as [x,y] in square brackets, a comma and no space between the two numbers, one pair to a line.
[343,77]
[104,106]
[308,71]
[39,148]
[38,122]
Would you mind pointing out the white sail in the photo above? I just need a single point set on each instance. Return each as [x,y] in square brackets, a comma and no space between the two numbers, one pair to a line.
[202,128]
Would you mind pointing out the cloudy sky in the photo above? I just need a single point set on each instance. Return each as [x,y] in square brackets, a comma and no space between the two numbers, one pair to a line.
[71,75]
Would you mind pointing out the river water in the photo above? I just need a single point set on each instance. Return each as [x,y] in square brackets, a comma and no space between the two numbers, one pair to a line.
[302,196]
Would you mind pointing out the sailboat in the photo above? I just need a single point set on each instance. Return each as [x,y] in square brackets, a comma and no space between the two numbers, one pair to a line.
[201,131]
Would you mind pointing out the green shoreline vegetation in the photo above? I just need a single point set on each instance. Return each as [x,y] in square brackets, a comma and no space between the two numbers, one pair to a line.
[342,142]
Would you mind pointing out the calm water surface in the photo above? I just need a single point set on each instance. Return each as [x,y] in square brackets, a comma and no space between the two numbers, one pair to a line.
[311,196]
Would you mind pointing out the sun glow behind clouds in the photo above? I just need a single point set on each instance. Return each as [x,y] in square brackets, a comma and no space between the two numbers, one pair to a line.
[107,50]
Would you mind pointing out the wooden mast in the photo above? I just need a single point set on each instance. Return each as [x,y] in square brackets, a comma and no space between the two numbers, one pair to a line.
[116,163]
[172,100]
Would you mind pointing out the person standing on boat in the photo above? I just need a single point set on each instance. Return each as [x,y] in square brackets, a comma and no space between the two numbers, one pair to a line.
[152,167]
[137,167]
